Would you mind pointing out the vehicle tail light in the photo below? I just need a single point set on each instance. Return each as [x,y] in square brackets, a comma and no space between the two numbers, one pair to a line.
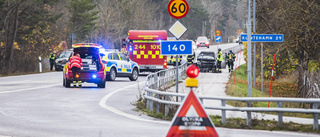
[165,64]
[77,75]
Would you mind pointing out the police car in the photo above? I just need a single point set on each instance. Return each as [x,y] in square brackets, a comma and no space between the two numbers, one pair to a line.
[118,65]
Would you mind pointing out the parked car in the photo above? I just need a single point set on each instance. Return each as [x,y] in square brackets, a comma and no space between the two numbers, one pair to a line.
[206,61]
[92,71]
[62,59]
[118,65]
[202,41]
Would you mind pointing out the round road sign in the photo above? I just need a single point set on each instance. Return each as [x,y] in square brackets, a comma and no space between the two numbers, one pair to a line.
[218,33]
[178,8]
[239,31]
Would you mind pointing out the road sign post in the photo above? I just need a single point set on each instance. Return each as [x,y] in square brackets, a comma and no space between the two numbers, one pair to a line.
[178,9]
[218,38]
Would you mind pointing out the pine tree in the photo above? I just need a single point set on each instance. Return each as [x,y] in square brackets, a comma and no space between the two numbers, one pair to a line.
[82,19]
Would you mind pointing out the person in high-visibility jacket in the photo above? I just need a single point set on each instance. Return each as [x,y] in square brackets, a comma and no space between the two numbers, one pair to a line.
[52,59]
[190,59]
[219,60]
[230,61]
[124,49]
[174,60]
[75,65]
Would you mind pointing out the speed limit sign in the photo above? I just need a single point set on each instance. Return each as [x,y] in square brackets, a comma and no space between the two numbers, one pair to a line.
[178,8]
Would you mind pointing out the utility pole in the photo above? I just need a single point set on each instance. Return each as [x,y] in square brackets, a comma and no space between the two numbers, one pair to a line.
[249,65]
[254,44]
[249,56]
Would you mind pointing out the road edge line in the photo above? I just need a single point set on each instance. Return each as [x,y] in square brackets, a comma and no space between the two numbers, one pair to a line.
[104,100]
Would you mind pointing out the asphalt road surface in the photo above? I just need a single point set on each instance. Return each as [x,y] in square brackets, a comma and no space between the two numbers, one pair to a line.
[39,106]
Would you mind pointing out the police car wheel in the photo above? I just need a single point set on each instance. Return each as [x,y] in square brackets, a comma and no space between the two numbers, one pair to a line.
[135,74]
[112,75]
[64,82]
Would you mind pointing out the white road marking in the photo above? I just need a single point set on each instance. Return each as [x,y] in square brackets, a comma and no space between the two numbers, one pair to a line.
[103,101]
[19,90]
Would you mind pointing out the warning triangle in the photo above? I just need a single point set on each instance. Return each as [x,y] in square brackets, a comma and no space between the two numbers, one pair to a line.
[191,120]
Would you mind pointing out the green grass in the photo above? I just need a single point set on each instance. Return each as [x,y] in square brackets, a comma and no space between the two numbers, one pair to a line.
[279,89]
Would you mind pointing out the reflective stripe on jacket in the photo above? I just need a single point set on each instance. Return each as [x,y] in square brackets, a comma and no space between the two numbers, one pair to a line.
[75,61]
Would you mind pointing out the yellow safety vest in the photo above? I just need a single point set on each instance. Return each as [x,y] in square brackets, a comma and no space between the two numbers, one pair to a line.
[221,58]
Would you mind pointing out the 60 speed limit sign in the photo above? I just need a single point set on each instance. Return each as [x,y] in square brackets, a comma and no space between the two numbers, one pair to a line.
[178,8]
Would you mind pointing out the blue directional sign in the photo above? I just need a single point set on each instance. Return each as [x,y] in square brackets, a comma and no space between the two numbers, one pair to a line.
[217,39]
[176,47]
[263,37]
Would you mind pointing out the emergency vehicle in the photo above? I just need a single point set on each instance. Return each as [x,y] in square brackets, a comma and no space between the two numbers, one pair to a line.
[92,71]
[144,48]
[118,65]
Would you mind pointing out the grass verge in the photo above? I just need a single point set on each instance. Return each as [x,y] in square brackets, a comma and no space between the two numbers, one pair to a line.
[279,89]
[271,125]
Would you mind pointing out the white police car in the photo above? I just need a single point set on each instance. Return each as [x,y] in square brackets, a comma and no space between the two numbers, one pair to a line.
[118,65]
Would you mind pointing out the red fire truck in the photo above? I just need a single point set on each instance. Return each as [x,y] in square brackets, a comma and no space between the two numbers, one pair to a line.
[144,48]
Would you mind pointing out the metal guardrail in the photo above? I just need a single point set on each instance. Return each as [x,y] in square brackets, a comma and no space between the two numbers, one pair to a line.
[153,96]
[165,77]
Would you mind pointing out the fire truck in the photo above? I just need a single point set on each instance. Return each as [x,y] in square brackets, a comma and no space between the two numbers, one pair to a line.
[144,48]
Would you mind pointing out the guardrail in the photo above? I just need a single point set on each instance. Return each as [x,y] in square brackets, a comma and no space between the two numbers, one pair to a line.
[153,96]
[164,77]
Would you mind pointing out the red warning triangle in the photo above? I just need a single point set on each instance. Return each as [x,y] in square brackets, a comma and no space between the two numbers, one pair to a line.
[191,120]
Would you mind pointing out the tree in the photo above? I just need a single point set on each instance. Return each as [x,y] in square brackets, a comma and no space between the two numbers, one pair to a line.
[82,18]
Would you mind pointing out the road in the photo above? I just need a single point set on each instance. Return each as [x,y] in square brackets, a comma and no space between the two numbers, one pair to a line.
[38,105]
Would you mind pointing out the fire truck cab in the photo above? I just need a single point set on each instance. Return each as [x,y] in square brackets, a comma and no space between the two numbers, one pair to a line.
[144,48]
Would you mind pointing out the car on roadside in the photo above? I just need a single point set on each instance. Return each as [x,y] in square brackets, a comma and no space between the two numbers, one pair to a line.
[118,65]
[202,41]
[63,59]
[92,71]
[206,61]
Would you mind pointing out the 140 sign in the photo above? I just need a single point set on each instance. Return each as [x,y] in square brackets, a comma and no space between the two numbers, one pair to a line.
[178,8]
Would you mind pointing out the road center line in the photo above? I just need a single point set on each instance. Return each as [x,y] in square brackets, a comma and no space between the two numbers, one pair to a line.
[25,89]
[104,100]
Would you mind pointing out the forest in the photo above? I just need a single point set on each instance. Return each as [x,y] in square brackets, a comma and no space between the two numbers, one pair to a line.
[33,28]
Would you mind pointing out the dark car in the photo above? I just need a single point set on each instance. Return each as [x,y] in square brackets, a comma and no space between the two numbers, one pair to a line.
[92,71]
[206,61]
[62,59]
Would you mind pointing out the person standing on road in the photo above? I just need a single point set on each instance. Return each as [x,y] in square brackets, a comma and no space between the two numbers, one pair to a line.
[190,59]
[124,49]
[231,58]
[52,59]
[75,65]
[219,60]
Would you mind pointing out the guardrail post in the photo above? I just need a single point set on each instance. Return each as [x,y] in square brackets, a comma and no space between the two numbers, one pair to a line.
[148,101]
[157,103]
[166,106]
[280,121]
[223,115]
[156,81]
[315,117]
[248,115]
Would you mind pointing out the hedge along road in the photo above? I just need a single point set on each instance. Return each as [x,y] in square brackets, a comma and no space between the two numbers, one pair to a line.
[38,105]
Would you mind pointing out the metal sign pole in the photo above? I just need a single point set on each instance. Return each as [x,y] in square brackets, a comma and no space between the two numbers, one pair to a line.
[177,81]
[261,67]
